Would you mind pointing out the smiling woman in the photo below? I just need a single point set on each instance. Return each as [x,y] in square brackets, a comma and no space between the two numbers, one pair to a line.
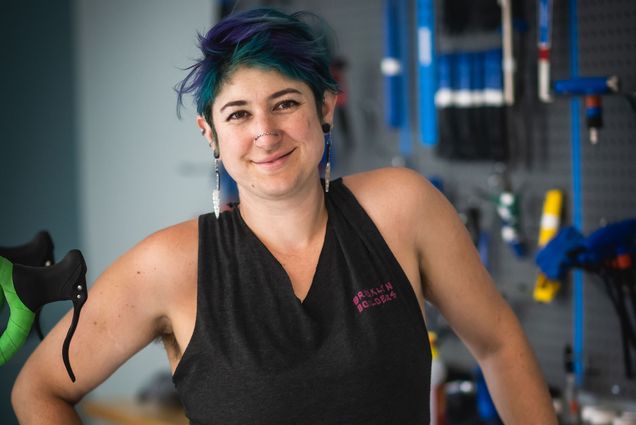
[299,305]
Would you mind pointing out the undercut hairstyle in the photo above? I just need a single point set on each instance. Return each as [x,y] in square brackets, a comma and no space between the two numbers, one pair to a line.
[298,45]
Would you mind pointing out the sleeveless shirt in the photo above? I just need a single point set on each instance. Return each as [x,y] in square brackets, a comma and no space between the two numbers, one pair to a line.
[354,351]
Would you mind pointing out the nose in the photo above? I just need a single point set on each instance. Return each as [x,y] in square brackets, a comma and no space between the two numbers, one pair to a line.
[266,135]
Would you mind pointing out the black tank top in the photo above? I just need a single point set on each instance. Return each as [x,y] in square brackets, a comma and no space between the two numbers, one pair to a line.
[354,351]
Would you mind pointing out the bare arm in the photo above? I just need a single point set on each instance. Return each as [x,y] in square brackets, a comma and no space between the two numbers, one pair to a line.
[126,309]
[454,280]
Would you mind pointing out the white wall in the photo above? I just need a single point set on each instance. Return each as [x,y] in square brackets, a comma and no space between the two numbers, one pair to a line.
[141,169]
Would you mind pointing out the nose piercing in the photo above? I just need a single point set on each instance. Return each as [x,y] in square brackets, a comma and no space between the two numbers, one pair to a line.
[267,133]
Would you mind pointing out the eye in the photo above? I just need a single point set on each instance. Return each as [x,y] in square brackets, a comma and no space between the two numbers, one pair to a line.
[237,115]
[287,104]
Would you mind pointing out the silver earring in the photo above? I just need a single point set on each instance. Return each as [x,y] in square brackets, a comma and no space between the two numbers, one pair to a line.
[326,129]
[216,193]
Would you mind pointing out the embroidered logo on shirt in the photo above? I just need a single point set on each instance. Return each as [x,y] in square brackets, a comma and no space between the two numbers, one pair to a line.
[368,298]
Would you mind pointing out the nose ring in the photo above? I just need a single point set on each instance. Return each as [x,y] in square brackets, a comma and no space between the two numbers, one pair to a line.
[267,133]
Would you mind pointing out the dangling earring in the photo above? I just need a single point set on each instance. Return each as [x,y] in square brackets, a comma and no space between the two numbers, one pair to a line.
[216,193]
[326,129]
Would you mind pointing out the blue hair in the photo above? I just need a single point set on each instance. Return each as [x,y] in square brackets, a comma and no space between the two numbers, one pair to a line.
[264,38]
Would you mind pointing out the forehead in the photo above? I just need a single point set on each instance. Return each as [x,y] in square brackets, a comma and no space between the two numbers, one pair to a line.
[251,83]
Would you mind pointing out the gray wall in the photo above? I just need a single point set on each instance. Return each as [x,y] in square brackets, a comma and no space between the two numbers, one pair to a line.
[141,168]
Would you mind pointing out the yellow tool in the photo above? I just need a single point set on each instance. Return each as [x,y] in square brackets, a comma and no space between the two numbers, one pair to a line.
[545,289]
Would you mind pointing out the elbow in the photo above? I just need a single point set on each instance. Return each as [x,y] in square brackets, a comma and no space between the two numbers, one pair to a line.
[25,395]
[32,399]
[20,396]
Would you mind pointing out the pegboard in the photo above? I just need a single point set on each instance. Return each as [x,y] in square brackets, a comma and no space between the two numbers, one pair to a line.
[540,145]
[607,40]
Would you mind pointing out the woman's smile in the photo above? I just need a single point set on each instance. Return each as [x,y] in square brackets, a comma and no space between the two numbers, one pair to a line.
[274,162]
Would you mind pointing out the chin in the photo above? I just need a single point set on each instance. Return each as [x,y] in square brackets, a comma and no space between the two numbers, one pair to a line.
[279,185]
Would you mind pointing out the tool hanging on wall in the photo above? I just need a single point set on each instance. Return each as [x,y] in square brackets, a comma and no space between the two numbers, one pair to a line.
[606,253]
[591,88]
[572,411]
[509,212]
[544,35]
[507,204]
[470,106]
[391,66]
[395,68]
[470,93]
[546,289]
[508,63]
[427,75]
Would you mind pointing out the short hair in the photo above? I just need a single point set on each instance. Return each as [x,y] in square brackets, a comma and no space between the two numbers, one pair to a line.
[264,38]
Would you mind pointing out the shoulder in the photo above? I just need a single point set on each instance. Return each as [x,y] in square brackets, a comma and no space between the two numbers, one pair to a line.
[399,202]
[159,262]
[393,192]
[174,240]
[169,251]
[405,207]
[154,278]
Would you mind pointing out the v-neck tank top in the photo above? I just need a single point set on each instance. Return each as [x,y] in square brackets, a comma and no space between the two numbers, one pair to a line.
[354,351]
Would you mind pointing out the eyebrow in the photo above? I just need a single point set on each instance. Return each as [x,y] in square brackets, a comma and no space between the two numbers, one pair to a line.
[271,96]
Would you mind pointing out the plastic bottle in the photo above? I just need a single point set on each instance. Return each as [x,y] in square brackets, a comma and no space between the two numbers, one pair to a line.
[438,379]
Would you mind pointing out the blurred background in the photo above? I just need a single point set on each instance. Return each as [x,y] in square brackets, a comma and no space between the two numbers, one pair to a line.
[93,152]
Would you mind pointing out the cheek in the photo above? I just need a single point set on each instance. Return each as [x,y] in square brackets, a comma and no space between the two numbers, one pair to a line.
[228,151]
[314,132]
[232,141]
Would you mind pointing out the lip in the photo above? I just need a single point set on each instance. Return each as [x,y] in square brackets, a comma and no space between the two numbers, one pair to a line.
[274,160]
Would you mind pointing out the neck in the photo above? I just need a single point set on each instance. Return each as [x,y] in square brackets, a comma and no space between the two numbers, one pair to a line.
[287,224]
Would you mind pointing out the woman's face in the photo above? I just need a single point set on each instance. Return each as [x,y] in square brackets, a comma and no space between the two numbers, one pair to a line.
[269,132]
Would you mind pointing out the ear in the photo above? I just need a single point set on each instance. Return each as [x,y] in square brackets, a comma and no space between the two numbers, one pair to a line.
[206,130]
[208,133]
[329,106]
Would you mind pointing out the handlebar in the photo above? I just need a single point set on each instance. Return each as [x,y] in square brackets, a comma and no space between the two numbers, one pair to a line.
[28,288]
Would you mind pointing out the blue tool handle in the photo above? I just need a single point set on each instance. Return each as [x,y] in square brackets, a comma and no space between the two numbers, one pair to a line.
[392,68]
[586,86]
[544,33]
[427,80]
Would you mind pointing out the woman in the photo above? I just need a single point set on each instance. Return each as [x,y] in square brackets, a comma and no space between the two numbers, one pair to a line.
[304,304]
